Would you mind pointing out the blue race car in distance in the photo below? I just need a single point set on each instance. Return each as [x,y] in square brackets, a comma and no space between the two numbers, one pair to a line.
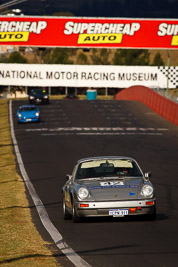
[28,113]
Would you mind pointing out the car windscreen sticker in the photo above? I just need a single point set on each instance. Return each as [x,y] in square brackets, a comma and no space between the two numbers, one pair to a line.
[131,194]
[111,183]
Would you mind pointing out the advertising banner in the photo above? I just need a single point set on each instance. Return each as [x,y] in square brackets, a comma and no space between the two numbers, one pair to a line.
[89,32]
[97,76]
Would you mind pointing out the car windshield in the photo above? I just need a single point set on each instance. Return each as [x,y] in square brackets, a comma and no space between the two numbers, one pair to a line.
[27,109]
[108,168]
[37,92]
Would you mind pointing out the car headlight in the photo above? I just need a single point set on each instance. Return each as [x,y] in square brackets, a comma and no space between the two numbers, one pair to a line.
[46,96]
[31,97]
[82,193]
[19,115]
[37,114]
[147,190]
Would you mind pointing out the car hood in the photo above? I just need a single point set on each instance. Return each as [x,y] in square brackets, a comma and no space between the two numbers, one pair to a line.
[113,189]
[29,114]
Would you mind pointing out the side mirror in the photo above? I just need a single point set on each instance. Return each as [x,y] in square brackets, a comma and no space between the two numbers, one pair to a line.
[147,175]
[68,177]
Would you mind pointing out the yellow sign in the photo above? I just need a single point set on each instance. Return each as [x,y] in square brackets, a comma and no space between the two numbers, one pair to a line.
[174,40]
[100,38]
[14,36]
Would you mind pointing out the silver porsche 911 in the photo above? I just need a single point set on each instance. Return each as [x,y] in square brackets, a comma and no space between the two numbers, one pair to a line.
[108,186]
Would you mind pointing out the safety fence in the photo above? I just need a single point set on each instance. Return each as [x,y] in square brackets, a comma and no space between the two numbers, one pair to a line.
[161,105]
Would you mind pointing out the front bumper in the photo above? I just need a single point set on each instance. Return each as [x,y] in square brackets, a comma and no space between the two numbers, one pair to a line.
[36,119]
[97,209]
[39,100]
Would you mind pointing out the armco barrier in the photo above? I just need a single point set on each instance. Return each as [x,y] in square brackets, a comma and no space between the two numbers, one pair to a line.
[161,105]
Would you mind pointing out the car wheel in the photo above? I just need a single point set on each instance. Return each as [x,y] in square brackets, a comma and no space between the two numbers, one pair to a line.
[67,216]
[74,214]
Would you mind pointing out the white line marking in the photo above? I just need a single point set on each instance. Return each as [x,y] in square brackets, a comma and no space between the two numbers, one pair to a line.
[101,130]
[50,134]
[94,134]
[162,129]
[119,133]
[55,235]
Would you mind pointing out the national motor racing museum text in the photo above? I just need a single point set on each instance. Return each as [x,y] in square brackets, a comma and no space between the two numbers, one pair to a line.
[62,75]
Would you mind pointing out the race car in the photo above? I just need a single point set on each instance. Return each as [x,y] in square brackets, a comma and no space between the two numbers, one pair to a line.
[28,113]
[108,186]
[38,96]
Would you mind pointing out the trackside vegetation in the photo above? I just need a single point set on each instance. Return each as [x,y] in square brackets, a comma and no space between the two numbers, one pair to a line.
[93,56]
[20,242]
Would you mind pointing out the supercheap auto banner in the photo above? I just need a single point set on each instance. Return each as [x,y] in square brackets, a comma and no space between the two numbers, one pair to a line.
[97,76]
[89,32]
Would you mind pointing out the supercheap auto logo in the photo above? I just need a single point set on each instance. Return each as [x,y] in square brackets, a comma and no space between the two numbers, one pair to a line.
[19,31]
[169,30]
[100,33]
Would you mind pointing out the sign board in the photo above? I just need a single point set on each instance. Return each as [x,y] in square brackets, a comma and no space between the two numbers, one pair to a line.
[89,32]
[97,76]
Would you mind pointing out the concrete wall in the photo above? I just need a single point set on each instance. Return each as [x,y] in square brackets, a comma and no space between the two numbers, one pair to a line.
[161,105]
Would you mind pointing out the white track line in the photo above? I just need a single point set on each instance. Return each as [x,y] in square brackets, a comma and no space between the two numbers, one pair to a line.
[97,129]
[99,134]
[56,236]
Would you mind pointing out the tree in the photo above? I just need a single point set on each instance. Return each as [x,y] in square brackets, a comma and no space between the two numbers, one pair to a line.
[40,53]
[100,56]
[58,56]
[3,59]
[132,57]
[16,57]
[82,59]
[157,61]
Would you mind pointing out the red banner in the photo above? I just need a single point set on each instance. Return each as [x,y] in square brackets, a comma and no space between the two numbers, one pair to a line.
[89,32]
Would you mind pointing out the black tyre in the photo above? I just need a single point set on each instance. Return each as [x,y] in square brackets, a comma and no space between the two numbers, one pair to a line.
[67,215]
[75,217]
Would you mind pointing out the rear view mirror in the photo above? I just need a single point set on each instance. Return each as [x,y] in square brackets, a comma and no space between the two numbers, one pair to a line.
[68,177]
[147,175]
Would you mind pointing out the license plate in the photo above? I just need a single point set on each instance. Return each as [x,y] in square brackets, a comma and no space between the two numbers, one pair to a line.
[28,119]
[118,212]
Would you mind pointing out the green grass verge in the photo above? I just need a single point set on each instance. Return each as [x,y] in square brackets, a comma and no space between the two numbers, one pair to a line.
[20,242]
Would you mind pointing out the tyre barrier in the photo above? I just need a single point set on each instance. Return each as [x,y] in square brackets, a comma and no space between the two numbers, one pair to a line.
[161,105]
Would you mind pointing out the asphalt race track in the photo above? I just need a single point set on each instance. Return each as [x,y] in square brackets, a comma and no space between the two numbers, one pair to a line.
[73,129]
